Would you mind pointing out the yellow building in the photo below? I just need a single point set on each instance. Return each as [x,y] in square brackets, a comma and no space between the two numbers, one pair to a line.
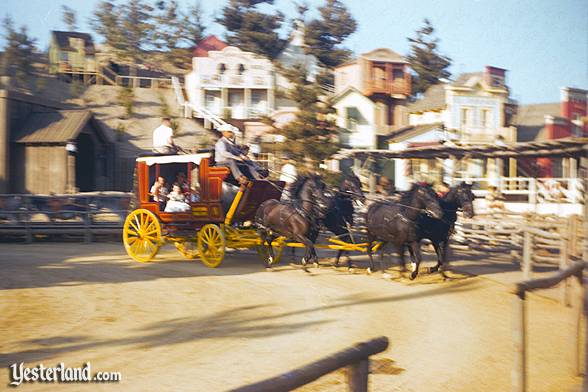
[71,52]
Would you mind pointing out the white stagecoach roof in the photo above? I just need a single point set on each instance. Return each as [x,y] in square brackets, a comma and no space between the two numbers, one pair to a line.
[161,159]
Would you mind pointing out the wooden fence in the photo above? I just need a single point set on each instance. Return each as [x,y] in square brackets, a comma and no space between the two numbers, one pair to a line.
[355,359]
[84,215]
[519,375]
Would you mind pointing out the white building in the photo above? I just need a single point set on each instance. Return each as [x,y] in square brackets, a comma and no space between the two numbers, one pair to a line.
[234,84]
[473,109]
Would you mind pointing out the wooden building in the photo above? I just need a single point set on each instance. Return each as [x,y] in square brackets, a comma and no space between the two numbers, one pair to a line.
[46,147]
[71,52]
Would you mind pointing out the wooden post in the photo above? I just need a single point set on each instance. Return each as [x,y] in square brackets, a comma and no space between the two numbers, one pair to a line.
[357,376]
[585,384]
[563,263]
[519,339]
[578,321]
[527,255]
[533,193]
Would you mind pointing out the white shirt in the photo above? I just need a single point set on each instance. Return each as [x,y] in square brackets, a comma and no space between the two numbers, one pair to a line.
[288,173]
[220,151]
[161,136]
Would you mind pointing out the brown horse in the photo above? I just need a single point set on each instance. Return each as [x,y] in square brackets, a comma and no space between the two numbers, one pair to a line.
[395,222]
[296,220]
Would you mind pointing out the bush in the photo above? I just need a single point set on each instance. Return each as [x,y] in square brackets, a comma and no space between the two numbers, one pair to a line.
[125,99]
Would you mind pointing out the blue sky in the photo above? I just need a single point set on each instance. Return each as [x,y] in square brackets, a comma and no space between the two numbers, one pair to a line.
[543,43]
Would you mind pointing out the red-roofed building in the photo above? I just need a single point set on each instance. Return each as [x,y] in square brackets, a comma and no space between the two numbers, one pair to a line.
[212,42]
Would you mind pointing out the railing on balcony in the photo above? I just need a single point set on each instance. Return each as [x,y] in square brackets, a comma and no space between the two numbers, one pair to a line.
[388,86]
[252,81]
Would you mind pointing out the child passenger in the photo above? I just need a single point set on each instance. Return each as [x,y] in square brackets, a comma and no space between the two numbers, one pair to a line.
[177,200]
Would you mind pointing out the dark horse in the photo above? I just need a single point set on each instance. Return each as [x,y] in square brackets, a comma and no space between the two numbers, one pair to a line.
[395,222]
[297,220]
[339,216]
[438,231]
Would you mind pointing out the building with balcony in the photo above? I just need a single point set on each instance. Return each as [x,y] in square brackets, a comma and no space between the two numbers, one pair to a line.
[371,93]
[71,52]
[231,83]
[475,108]
[234,84]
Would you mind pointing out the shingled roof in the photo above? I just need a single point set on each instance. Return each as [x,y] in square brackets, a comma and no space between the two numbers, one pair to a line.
[433,99]
[62,40]
[53,127]
[468,79]
[530,120]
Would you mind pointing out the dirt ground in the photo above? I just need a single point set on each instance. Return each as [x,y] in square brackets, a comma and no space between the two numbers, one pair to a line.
[177,325]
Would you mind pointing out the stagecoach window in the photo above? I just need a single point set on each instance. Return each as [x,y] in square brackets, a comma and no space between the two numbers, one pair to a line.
[241,69]
[222,68]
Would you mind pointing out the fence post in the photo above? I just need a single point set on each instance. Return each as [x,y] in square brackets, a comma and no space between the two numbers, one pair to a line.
[357,376]
[578,321]
[563,262]
[519,338]
[527,254]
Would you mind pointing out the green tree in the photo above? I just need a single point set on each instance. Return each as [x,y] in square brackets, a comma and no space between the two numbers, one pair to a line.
[18,52]
[252,30]
[325,35]
[428,64]
[193,22]
[69,18]
[137,28]
[107,23]
[313,133]
[126,97]
[169,32]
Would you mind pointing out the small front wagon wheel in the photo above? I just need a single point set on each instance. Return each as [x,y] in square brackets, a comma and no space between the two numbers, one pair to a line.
[211,245]
[142,235]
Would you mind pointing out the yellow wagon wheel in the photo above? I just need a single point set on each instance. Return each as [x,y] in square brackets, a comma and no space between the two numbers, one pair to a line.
[142,235]
[211,245]
[188,248]
[264,254]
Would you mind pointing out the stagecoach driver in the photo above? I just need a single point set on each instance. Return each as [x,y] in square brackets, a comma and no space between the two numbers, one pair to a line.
[228,154]
[163,141]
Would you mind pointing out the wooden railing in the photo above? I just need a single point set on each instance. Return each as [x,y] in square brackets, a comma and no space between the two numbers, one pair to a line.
[355,358]
[84,215]
[519,335]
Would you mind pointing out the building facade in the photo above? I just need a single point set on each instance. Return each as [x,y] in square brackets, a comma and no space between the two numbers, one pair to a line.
[474,109]
[71,51]
[370,97]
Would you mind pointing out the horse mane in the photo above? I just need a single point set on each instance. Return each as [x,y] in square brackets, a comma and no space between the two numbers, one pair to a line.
[297,185]
[407,196]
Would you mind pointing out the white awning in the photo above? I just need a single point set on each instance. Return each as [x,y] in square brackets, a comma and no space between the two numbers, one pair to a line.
[194,158]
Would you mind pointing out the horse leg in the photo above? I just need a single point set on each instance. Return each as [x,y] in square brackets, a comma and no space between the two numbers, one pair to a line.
[270,239]
[309,249]
[439,253]
[370,242]
[401,254]
[415,254]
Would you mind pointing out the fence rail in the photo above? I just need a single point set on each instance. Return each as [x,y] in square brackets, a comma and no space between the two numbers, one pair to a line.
[79,214]
[355,358]
[519,376]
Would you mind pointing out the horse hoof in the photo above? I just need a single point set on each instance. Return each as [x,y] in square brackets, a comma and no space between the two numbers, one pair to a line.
[386,276]
[269,269]
[432,270]
[350,270]
[270,259]
[369,271]
[413,275]
[316,265]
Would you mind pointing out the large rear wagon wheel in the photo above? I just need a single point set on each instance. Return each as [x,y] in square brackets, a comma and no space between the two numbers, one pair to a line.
[142,235]
[211,245]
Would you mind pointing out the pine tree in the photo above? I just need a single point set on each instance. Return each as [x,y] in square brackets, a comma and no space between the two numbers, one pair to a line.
[252,30]
[429,65]
[107,23]
[169,32]
[324,36]
[18,51]
[313,134]
[137,28]
[69,18]
[194,27]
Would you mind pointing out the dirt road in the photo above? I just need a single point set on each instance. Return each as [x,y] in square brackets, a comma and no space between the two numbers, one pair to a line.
[176,325]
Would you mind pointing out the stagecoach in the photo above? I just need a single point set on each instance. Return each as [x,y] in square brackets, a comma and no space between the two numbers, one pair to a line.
[220,218]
